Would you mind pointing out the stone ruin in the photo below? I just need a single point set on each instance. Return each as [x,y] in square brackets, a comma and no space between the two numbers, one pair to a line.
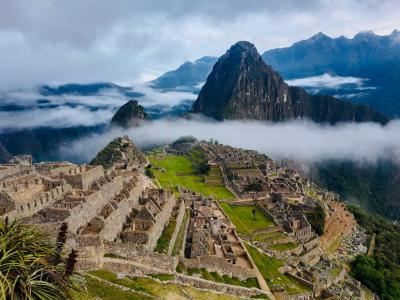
[211,233]
[119,203]
[145,223]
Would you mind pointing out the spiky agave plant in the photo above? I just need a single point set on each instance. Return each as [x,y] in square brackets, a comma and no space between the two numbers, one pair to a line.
[27,270]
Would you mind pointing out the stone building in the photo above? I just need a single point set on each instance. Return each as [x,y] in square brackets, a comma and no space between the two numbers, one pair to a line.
[146,222]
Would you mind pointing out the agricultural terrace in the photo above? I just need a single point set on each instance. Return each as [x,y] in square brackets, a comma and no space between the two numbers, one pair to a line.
[268,267]
[143,288]
[172,171]
[242,218]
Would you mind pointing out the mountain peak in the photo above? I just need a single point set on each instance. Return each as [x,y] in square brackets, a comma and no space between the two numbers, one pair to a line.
[243,47]
[242,86]
[319,36]
[131,114]
[365,34]
[395,32]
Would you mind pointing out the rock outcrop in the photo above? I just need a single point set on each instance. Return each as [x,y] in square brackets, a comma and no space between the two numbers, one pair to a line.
[121,151]
[131,114]
[242,86]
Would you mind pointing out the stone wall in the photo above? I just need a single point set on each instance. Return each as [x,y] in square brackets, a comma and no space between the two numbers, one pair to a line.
[267,213]
[312,257]
[301,280]
[158,265]
[217,287]
[182,251]
[114,222]
[179,220]
[120,266]
[304,234]
[83,176]
[161,219]
[83,213]
[218,264]
[38,202]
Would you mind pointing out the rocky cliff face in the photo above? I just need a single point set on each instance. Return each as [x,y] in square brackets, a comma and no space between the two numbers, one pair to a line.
[121,151]
[131,114]
[241,86]
[4,155]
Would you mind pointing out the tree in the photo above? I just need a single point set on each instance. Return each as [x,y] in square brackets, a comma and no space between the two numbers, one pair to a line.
[316,217]
[149,173]
[254,186]
[28,268]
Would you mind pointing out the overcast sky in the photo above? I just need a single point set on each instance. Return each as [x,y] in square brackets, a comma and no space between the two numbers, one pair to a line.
[45,41]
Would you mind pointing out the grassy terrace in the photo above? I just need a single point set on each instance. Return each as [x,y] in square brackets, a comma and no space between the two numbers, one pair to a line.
[269,236]
[214,276]
[179,170]
[149,286]
[165,238]
[242,217]
[181,235]
[284,247]
[99,290]
[269,266]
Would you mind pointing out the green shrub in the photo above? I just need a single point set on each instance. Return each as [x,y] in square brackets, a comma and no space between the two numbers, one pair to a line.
[317,219]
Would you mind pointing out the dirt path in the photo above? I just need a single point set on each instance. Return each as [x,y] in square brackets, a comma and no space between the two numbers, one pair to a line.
[371,245]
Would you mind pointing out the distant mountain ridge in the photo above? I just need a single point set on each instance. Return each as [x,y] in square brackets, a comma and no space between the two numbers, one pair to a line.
[242,86]
[366,55]
[86,89]
[187,76]
[360,56]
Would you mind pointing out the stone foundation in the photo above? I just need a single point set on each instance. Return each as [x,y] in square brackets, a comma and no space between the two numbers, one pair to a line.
[218,264]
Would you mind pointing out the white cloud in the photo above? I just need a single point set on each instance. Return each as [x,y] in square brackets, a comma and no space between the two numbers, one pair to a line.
[155,97]
[59,117]
[69,110]
[129,41]
[300,141]
[327,81]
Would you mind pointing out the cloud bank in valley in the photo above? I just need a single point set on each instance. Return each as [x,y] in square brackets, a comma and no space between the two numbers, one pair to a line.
[302,141]
[33,109]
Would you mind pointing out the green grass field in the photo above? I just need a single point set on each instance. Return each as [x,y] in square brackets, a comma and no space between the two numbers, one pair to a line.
[242,217]
[284,247]
[269,236]
[176,165]
[269,266]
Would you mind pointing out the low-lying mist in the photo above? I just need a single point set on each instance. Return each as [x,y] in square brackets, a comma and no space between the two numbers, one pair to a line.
[296,140]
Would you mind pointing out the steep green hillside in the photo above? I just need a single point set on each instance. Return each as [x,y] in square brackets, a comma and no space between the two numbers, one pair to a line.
[381,271]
